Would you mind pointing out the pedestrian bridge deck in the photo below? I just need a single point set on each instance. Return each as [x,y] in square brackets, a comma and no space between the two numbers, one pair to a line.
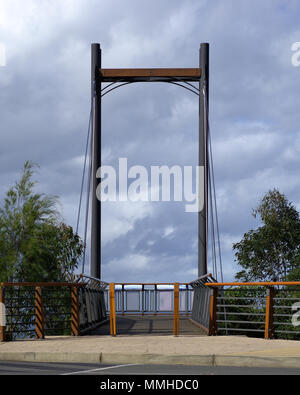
[148,325]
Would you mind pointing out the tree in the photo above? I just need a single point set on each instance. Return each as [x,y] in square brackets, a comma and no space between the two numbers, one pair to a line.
[272,251]
[35,245]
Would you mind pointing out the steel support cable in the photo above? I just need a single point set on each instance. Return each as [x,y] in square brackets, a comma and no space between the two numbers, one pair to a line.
[209,194]
[214,189]
[211,165]
[83,173]
[81,189]
[87,208]
[177,79]
[202,86]
[216,210]
[212,229]
[132,82]
[107,86]
[212,183]
[85,159]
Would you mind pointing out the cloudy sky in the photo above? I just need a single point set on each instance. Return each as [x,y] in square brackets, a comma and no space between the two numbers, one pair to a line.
[254,114]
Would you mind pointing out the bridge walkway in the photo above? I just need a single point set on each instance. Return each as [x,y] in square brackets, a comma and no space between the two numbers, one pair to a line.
[148,325]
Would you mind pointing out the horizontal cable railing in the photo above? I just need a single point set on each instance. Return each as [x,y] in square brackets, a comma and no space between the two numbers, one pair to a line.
[264,309]
[39,309]
[36,310]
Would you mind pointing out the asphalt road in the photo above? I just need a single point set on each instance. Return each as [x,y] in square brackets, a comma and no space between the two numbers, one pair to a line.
[30,368]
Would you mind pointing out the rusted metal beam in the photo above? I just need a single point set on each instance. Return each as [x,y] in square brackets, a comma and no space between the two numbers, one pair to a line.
[39,314]
[269,322]
[186,74]
[112,310]
[212,331]
[176,310]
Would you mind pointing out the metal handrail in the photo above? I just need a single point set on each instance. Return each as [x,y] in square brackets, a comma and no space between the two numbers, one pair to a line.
[261,283]
[268,303]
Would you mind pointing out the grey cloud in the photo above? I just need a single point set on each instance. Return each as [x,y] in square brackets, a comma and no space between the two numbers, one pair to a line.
[254,102]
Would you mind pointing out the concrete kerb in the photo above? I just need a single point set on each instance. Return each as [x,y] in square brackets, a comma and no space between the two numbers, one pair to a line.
[159,359]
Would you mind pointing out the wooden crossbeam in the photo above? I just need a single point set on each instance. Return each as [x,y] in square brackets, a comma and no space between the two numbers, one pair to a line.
[110,75]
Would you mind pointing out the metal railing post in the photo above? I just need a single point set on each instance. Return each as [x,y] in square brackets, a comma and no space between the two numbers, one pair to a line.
[213,328]
[176,310]
[155,299]
[123,299]
[2,316]
[74,312]
[39,314]
[143,299]
[269,322]
[112,309]
[186,299]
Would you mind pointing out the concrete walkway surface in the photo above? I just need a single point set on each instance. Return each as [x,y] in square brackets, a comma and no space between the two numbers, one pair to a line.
[186,350]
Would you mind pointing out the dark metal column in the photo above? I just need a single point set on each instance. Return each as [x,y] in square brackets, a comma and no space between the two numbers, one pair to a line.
[203,157]
[96,162]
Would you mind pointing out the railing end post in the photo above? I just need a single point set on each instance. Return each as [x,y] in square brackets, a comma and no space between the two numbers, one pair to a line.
[176,310]
[75,324]
[269,320]
[39,314]
[112,310]
[2,315]
[213,328]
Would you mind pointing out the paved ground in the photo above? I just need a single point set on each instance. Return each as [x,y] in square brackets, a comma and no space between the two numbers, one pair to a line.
[171,345]
[29,368]
[191,348]
[149,325]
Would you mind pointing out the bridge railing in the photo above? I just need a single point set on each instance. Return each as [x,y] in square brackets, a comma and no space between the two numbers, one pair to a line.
[261,309]
[32,309]
[201,301]
[174,299]
[36,310]
[92,303]
[151,299]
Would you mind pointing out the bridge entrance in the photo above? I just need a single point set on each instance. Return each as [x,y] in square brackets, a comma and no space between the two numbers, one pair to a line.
[149,309]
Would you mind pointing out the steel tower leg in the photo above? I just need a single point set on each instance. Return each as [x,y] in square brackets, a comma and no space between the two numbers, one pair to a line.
[203,158]
[95,269]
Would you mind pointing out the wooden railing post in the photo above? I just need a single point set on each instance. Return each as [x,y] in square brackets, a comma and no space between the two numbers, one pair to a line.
[213,327]
[269,322]
[39,314]
[112,310]
[176,310]
[2,316]
[74,312]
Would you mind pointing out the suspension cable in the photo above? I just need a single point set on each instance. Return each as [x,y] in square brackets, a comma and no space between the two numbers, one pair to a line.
[212,188]
[83,172]
[87,207]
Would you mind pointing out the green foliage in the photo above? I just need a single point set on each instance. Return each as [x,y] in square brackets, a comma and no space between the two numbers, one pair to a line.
[35,245]
[272,251]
